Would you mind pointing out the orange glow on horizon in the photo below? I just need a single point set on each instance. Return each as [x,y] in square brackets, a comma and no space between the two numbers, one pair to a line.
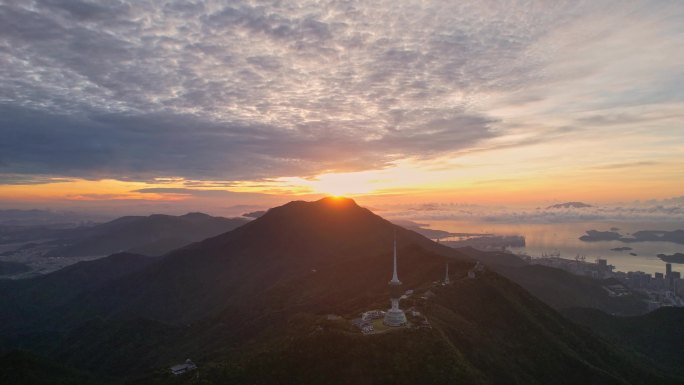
[83,190]
[403,182]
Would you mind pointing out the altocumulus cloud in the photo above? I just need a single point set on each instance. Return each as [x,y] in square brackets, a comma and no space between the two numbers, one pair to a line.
[244,90]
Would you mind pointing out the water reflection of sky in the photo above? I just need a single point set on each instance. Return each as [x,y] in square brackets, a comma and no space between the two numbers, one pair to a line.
[564,238]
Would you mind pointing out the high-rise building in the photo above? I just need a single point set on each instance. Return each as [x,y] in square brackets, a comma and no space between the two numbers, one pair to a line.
[675,277]
[395,316]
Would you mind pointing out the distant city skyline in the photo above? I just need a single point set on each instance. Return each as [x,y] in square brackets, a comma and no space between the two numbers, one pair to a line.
[132,107]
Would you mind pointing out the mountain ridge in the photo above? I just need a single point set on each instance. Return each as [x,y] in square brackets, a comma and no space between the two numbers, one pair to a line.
[250,306]
[154,234]
[307,236]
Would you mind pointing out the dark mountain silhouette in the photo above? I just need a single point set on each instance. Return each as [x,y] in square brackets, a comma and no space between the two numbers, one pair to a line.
[25,368]
[26,302]
[11,268]
[656,337]
[290,241]
[152,235]
[484,331]
[249,306]
[559,288]
[254,214]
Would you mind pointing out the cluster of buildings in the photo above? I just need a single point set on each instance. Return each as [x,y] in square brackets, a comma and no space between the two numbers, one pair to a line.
[365,322]
[663,289]
[579,265]
[670,280]
[185,367]
[366,326]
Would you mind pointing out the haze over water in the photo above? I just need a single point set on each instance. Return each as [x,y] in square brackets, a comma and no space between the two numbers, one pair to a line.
[564,238]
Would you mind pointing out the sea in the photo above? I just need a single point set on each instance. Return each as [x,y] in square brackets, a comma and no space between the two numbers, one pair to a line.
[563,238]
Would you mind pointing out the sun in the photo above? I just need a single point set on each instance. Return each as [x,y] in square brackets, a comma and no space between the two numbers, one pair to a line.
[340,185]
[336,198]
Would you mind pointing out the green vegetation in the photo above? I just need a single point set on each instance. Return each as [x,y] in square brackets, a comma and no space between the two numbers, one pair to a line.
[485,331]
[11,268]
[24,368]
[250,311]
[558,288]
[152,235]
[656,337]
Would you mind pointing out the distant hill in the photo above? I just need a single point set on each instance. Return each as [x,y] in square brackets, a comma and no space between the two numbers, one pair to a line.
[289,241]
[151,235]
[569,205]
[27,302]
[250,305]
[559,288]
[254,214]
[15,217]
[11,268]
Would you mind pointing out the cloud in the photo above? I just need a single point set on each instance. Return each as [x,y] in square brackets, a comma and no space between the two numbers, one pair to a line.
[143,147]
[252,90]
[191,192]
[25,179]
[667,210]
[619,166]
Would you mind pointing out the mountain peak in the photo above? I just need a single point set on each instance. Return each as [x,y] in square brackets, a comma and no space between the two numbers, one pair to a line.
[325,205]
[337,201]
[318,214]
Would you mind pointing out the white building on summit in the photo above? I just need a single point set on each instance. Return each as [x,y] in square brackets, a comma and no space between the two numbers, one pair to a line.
[395,316]
[183,368]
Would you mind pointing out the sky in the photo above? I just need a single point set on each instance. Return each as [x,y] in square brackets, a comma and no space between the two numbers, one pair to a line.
[162,106]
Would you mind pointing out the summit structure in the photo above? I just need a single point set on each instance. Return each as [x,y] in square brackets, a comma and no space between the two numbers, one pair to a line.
[395,279]
[395,316]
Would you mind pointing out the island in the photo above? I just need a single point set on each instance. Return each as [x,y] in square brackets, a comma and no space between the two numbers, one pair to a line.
[596,236]
[675,236]
[624,248]
[674,258]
